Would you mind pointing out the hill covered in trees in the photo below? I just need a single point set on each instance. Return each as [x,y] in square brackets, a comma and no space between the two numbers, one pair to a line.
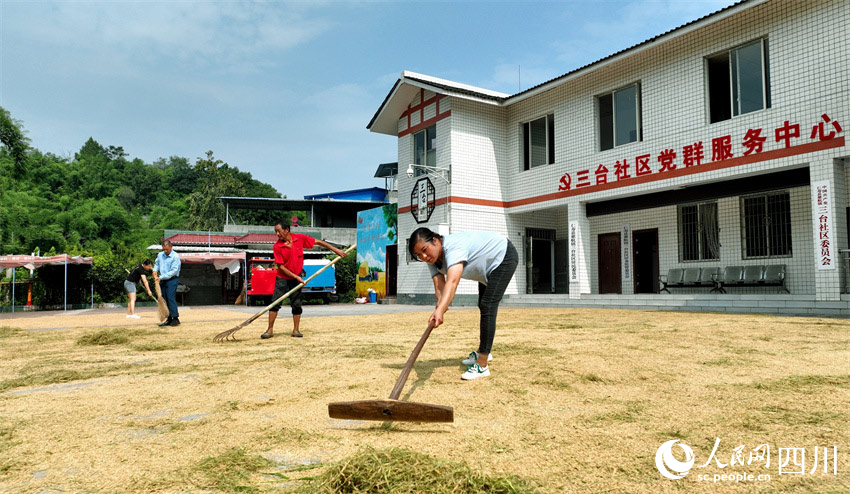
[103,203]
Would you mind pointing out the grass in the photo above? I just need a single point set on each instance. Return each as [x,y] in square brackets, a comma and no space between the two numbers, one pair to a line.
[231,471]
[8,332]
[804,383]
[401,471]
[117,336]
[578,402]
[7,441]
[373,351]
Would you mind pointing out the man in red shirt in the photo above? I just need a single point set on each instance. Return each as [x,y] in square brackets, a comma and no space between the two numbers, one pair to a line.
[289,263]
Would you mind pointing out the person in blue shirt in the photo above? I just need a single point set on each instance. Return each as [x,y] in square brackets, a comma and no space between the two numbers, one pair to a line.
[485,257]
[167,270]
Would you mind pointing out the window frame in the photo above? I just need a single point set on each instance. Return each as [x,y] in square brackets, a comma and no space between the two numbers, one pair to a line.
[701,247]
[732,92]
[638,121]
[772,234]
[426,133]
[526,137]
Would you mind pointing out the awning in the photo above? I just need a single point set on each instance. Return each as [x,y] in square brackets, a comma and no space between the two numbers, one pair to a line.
[33,262]
[221,260]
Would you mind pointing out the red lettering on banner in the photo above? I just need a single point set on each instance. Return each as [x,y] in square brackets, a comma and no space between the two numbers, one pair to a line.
[787,132]
[753,141]
[819,131]
[601,175]
[642,164]
[582,178]
[692,155]
[666,159]
[721,148]
[622,170]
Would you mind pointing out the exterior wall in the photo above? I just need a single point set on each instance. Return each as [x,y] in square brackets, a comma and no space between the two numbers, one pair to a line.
[808,62]
[800,277]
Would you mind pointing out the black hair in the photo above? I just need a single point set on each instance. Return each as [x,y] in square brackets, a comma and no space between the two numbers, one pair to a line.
[421,234]
[147,262]
[283,224]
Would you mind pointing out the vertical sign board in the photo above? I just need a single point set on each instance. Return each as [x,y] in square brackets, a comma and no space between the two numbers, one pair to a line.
[574,243]
[422,200]
[823,227]
[626,251]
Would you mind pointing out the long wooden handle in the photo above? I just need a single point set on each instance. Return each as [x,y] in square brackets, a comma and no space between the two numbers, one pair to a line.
[290,292]
[224,335]
[399,385]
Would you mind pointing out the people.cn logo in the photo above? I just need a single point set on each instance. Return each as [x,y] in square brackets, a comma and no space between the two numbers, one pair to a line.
[668,465]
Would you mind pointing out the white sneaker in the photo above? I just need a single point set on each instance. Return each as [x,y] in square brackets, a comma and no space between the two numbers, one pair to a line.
[473,358]
[128,316]
[475,371]
[135,316]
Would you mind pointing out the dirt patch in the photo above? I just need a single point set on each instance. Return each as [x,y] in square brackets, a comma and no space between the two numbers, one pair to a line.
[578,400]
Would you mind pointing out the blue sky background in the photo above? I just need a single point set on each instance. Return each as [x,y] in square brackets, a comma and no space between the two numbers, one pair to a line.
[284,90]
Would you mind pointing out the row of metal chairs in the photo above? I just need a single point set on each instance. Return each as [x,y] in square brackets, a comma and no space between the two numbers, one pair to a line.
[742,276]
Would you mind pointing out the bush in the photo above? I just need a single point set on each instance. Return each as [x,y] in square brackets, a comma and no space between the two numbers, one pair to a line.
[346,276]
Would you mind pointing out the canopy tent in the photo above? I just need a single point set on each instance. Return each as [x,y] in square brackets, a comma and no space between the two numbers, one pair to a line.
[221,260]
[230,260]
[34,262]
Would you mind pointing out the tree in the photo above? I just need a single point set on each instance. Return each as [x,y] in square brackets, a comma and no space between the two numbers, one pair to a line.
[15,141]
[206,212]
[391,219]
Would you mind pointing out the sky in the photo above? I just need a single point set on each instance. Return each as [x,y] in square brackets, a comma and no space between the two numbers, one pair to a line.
[285,90]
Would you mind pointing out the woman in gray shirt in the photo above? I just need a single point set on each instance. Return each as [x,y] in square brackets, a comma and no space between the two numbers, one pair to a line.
[485,257]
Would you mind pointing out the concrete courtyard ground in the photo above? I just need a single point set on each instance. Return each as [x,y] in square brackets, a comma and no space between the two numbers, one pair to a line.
[580,400]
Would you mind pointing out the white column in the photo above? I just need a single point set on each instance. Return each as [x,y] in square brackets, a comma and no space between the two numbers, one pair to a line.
[579,249]
[830,175]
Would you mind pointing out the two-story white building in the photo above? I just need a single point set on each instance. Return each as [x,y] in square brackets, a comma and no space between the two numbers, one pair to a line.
[715,150]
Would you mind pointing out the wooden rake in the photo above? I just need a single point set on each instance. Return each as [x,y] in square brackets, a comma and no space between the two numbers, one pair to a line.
[394,409]
[228,335]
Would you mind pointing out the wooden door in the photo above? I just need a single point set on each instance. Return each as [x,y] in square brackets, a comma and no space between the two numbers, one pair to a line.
[610,279]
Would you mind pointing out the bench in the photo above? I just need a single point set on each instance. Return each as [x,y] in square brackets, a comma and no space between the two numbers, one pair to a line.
[751,276]
[688,278]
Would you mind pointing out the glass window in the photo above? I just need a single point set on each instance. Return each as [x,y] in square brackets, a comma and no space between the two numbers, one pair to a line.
[425,148]
[738,81]
[619,117]
[538,142]
[699,233]
[766,226]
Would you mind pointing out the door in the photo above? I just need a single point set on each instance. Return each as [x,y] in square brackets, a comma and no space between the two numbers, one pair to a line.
[392,269]
[562,266]
[610,280]
[540,260]
[645,260]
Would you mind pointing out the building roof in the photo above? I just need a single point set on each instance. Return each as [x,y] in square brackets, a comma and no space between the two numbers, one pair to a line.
[197,238]
[385,120]
[387,170]
[276,204]
[374,194]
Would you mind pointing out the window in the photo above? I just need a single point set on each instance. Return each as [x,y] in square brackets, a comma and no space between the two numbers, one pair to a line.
[738,81]
[538,142]
[619,117]
[699,234]
[425,149]
[766,225]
